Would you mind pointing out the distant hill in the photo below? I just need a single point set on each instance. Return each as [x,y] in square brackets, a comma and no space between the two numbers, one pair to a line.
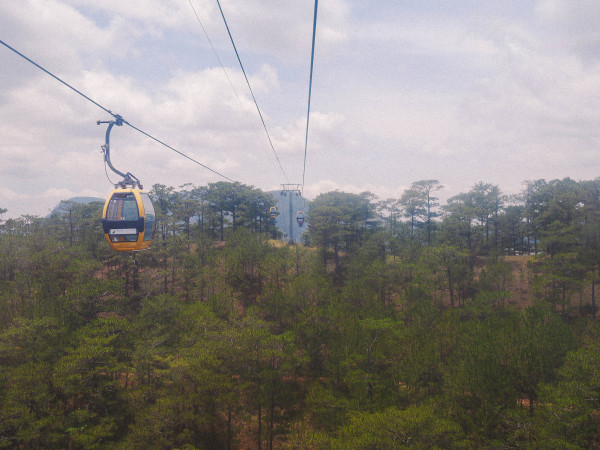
[82,200]
[283,219]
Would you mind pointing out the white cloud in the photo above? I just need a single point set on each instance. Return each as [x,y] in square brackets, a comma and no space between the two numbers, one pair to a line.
[571,27]
[284,29]
[499,93]
[149,15]
[312,190]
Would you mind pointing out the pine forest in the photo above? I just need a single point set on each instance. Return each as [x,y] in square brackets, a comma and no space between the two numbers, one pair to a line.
[396,323]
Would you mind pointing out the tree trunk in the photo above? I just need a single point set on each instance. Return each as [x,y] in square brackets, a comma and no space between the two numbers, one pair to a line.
[428,219]
[173,277]
[450,288]
[259,437]
[126,280]
[222,221]
[271,420]
[166,278]
[336,257]
[593,299]
[229,434]
[136,278]
[202,220]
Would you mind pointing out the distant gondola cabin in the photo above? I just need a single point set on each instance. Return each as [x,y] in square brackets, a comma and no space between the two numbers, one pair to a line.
[128,220]
[300,218]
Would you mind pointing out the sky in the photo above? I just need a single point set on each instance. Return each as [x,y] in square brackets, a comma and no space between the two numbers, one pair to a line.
[457,91]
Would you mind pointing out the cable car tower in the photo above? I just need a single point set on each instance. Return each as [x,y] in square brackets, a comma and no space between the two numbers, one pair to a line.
[290,190]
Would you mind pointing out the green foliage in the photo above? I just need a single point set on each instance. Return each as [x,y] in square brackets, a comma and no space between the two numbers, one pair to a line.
[409,339]
[569,412]
[88,378]
[477,378]
[340,221]
[28,414]
[415,427]
[557,278]
[452,269]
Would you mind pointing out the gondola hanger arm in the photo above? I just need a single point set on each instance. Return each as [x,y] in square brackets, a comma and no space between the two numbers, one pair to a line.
[128,178]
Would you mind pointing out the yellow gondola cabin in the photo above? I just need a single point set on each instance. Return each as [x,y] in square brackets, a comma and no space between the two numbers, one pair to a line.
[128,220]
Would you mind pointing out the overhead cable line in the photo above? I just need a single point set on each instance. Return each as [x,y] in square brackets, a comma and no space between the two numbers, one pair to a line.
[312,59]
[219,59]
[56,78]
[111,113]
[177,151]
[224,71]
[251,92]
